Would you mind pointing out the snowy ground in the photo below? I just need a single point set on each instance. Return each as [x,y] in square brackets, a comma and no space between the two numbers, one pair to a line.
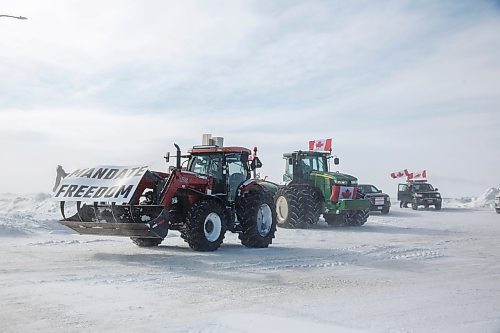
[422,271]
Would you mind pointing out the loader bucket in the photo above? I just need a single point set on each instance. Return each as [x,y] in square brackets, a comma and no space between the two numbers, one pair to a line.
[109,201]
[144,221]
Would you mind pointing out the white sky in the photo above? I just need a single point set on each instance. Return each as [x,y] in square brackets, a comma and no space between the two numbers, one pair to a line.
[396,84]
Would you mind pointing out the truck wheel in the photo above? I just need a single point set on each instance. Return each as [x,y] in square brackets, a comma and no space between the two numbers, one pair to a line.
[290,207]
[498,210]
[437,206]
[257,217]
[414,205]
[385,210]
[146,242]
[205,226]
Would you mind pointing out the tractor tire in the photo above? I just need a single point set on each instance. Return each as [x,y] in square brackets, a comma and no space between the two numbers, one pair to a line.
[205,226]
[257,216]
[497,210]
[356,218]
[297,206]
[414,205]
[146,242]
[437,206]
[315,205]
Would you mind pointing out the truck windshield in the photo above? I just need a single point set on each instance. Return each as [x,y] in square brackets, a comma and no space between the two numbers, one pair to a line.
[368,189]
[423,187]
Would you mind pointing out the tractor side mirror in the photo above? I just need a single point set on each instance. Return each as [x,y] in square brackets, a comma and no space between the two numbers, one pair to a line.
[256,163]
[336,161]
[167,157]
[436,189]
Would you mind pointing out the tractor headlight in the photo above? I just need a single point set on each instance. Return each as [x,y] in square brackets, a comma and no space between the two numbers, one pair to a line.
[341,182]
[438,195]
[419,195]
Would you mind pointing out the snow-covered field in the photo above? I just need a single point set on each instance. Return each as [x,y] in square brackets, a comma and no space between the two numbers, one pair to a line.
[409,271]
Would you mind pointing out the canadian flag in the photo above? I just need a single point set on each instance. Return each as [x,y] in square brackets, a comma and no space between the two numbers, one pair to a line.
[343,192]
[414,175]
[400,174]
[322,145]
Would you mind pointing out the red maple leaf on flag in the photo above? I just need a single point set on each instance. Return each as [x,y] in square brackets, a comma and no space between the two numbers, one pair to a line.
[319,144]
[346,194]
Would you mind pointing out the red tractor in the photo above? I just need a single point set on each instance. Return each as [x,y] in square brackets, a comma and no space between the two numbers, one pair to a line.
[212,194]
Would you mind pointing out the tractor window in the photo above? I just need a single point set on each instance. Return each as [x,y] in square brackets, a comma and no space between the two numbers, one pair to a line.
[322,164]
[237,174]
[288,170]
[210,165]
[314,163]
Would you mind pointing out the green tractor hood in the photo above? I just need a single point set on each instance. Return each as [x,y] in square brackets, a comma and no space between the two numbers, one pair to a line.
[332,178]
[325,181]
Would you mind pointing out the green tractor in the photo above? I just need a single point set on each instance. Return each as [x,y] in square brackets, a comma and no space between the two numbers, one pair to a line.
[311,190]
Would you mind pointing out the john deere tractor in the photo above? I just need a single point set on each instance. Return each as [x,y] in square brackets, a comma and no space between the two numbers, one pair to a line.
[311,190]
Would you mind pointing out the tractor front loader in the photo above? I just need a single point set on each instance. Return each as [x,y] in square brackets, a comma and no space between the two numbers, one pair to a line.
[214,193]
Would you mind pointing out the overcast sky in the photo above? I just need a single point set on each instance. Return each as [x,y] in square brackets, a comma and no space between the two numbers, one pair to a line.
[396,84]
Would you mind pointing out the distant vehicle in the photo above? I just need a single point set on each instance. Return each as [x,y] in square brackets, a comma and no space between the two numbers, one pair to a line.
[379,201]
[497,203]
[418,193]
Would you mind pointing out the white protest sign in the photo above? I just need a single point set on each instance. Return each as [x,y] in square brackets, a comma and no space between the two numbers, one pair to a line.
[100,184]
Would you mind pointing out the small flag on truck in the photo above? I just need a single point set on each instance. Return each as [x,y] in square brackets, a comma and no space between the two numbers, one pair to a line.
[399,174]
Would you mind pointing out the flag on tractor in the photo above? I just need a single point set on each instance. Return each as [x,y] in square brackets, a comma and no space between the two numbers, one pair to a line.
[400,174]
[321,145]
[343,193]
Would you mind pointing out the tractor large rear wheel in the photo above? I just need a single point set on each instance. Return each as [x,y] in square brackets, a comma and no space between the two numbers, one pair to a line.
[288,207]
[257,217]
[317,206]
[298,206]
[205,226]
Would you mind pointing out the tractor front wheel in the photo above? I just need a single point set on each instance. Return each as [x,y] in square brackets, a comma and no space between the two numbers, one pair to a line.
[257,217]
[357,218]
[205,226]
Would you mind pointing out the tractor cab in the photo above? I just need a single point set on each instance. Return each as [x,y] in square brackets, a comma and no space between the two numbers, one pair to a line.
[300,164]
[228,167]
